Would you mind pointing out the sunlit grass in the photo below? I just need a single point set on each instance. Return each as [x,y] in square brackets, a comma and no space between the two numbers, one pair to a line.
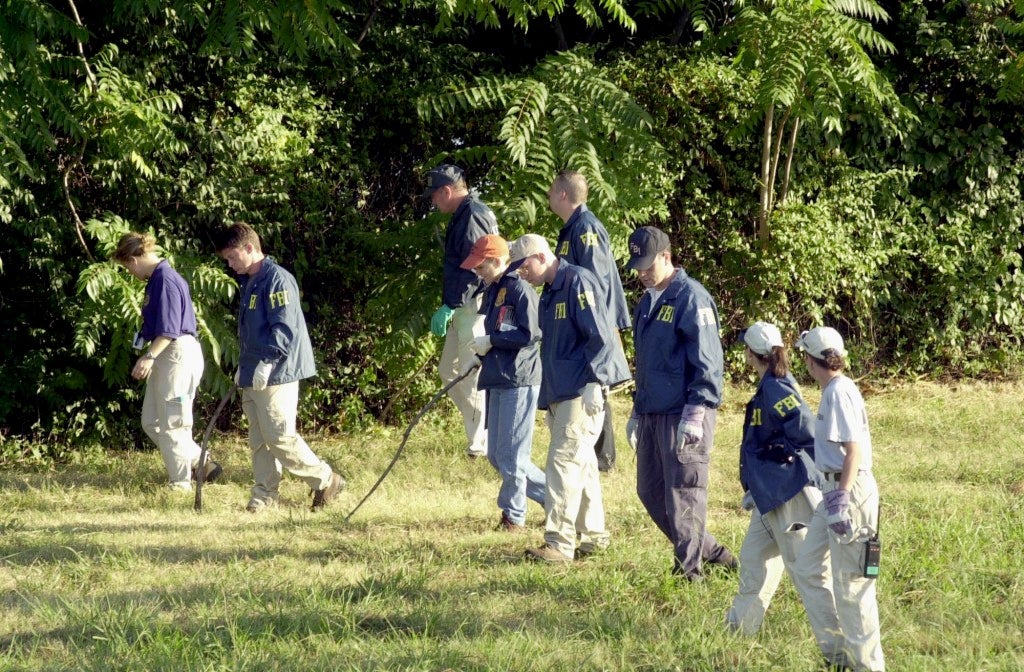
[101,568]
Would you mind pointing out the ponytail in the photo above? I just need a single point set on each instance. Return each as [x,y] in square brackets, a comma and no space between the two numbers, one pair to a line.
[778,361]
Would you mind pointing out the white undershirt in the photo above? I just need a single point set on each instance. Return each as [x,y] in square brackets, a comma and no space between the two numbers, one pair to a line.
[656,293]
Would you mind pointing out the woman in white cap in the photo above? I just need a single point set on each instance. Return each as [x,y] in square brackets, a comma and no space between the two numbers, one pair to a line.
[847,518]
[780,495]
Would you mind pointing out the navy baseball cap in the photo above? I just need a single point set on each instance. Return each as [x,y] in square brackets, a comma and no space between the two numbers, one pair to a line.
[644,245]
[442,176]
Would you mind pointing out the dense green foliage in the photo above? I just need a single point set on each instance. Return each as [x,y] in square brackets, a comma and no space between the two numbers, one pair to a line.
[895,211]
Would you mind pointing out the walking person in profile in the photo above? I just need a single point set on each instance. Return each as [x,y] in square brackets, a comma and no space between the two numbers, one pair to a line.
[275,353]
[458,320]
[172,364]
[583,241]
[847,518]
[578,363]
[777,446]
[509,355]
[678,391]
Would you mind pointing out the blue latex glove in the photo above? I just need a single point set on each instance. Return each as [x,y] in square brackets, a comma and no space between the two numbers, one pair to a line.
[439,322]
[837,505]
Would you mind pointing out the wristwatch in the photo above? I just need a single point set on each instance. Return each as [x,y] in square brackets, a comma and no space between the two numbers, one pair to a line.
[149,355]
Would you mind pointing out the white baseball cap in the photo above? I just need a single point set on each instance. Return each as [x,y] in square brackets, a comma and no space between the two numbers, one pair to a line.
[527,245]
[818,341]
[761,337]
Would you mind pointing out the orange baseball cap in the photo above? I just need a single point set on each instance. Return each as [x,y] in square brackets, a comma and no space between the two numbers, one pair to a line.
[491,246]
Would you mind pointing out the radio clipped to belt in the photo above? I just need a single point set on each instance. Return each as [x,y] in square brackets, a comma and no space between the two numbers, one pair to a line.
[873,549]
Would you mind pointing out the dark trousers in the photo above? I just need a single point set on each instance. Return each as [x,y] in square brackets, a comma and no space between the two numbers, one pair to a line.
[605,446]
[675,493]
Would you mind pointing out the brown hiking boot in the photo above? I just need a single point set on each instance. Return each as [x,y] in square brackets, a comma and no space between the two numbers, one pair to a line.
[506,525]
[322,498]
[547,553]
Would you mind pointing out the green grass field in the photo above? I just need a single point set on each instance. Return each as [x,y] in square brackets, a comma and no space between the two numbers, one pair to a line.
[101,568]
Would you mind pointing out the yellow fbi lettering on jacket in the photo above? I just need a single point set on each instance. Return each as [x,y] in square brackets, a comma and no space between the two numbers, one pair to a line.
[277,299]
[787,404]
[666,313]
[584,298]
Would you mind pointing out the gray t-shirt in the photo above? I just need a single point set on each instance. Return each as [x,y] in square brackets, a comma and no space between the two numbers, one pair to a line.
[841,417]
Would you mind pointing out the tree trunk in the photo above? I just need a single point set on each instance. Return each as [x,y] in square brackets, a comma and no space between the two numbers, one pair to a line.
[789,160]
[766,155]
[776,149]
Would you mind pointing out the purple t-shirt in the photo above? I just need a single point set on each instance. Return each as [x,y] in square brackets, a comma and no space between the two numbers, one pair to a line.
[167,307]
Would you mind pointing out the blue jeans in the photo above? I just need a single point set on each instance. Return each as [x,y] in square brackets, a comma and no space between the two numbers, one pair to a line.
[509,442]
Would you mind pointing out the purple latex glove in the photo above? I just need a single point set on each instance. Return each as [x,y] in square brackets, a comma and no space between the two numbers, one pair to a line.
[691,425]
[837,505]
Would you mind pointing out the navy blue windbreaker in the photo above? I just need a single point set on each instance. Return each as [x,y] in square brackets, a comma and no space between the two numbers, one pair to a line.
[511,320]
[272,328]
[580,345]
[778,423]
[678,350]
[471,220]
[584,241]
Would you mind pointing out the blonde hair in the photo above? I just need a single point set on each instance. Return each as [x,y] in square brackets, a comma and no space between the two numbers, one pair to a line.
[574,184]
[133,244]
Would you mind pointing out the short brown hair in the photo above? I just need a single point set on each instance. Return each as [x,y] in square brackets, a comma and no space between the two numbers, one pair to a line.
[238,234]
[832,361]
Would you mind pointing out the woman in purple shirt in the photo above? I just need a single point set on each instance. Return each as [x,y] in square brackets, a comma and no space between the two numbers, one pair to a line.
[172,365]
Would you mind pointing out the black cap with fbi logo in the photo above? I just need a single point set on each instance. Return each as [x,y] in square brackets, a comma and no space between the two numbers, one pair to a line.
[644,245]
[442,176]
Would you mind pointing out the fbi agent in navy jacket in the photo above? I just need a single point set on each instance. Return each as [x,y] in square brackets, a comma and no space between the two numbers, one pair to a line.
[678,389]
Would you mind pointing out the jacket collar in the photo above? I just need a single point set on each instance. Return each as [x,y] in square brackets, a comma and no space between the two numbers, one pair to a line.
[560,276]
[675,285]
[470,197]
[576,215]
